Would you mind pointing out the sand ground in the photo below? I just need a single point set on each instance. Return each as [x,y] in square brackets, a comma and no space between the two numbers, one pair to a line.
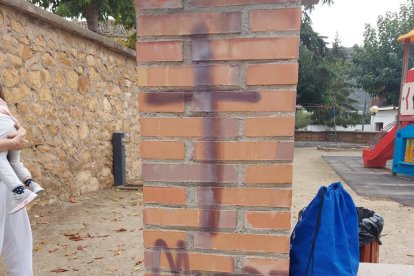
[101,233]
[311,172]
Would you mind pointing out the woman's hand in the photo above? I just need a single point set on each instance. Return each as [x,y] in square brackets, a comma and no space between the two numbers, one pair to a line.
[18,138]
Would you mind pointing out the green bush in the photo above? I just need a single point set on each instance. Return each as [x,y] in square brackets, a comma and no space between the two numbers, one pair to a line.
[302,119]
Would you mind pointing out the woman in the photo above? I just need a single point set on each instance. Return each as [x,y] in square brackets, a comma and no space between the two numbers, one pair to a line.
[15,232]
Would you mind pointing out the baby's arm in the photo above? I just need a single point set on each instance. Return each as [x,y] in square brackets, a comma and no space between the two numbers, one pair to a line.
[16,141]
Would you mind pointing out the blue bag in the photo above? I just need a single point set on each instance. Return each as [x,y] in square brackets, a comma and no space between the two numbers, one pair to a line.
[325,240]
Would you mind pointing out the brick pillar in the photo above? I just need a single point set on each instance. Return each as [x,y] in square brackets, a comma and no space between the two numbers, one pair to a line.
[218,89]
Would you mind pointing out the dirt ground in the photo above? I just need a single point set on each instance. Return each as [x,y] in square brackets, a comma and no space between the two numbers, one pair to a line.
[101,233]
[98,234]
[311,172]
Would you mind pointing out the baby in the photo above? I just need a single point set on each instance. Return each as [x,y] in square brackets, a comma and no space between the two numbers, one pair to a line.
[12,172]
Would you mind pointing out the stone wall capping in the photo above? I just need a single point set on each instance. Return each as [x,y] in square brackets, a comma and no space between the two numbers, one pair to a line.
[55,20]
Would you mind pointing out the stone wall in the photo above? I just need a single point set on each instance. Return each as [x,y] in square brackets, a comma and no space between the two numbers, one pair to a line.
[71,89]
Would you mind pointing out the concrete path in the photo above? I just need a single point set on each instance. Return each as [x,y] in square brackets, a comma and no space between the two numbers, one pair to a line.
[366,269]
[373,182]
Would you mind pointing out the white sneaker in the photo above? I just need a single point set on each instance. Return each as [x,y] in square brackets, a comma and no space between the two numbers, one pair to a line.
[20,201]
[36,188]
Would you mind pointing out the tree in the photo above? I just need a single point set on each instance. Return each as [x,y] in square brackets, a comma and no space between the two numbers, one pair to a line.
[324,78]
[378,62]
[123,11]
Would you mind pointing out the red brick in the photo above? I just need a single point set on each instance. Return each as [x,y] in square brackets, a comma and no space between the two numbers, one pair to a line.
[267,220]
[189,127]
[189,24]
[189,217]
[164,150]
[241,151]
[241,49]
[174,239]
[285,150]
[272,74]
[267,266]
[266,101]
[186,261]
[269,127]
[257,197]
[189,173]
[164,195]
[275,20]
[188,76]
[242,242]
[159,51]
[158,4]
[269,174]
[223,3]
[161,102]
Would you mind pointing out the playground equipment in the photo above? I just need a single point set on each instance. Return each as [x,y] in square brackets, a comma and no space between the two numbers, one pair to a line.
[396,141]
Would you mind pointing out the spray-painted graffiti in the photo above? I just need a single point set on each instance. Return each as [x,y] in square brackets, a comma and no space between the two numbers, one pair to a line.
[206,101]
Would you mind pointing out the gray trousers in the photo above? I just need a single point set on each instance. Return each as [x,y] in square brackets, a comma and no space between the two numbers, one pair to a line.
[16,244]
[12,171]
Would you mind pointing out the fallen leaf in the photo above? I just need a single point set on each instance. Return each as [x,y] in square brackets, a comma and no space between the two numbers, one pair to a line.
[53,250]
[82,247]
[111,269]
[101,236]
[99,258]
[58,269]
[73,199]
[69,235]
[139,262]
[71,254]
[76,238]
[121,230]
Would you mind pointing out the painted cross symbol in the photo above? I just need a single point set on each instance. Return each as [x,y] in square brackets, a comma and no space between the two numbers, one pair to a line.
[203,100]
[206,101]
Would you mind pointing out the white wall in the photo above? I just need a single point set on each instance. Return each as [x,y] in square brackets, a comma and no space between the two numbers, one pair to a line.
[383,116]
[367,128]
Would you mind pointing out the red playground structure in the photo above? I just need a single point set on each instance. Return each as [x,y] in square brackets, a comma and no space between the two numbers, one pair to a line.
[382,146]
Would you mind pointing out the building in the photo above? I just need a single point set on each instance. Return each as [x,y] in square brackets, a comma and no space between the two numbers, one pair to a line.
[384,117]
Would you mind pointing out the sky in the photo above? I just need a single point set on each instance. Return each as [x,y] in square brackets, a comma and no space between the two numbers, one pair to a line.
[348,18]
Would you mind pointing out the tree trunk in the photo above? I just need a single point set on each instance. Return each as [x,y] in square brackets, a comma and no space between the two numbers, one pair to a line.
[92,18]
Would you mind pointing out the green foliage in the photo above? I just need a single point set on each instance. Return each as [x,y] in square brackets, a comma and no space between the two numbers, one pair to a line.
[324,77]
[324,80]
[302,119]
[309,8]
[379,61]
[123,11]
